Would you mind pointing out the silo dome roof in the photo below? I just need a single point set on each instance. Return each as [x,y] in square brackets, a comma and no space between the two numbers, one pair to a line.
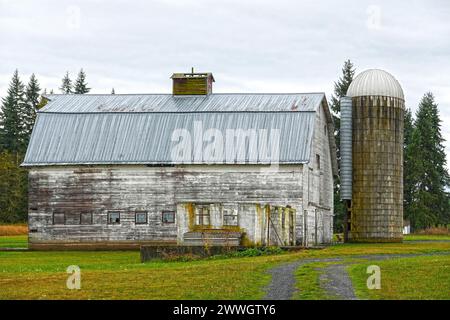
[375,82]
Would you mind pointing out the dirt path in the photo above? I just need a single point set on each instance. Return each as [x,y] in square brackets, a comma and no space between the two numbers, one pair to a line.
[335,279]
[282,286]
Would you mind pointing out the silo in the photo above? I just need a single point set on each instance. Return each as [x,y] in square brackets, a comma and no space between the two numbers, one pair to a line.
[375,204]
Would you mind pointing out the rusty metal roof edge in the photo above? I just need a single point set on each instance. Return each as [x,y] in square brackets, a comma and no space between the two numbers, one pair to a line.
[140,103]
[158,163]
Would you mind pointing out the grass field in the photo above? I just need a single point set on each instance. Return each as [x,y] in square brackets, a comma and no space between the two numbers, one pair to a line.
[426,277]
[14,241]
[425,237]
[120,275]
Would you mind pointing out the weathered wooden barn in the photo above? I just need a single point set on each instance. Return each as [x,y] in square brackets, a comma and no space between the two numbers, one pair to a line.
[189,168]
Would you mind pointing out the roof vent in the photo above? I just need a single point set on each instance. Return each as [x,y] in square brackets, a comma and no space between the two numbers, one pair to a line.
[192,83]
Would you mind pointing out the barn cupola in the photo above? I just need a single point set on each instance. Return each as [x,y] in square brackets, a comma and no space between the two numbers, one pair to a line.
[192,83]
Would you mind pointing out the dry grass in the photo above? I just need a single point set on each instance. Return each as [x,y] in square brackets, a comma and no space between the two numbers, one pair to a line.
[435,231]
[13,229]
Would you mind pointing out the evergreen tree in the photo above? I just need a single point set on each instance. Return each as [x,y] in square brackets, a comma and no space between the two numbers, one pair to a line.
[80,86]
[42,102]
[32,103]
[12,115]
[13,189]
[430,203]
[408,162]
[340,90]
[66,85]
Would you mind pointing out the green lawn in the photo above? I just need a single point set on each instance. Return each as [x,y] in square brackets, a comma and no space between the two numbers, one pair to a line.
[14,241]
[426,277]
[425,237]
[120,275]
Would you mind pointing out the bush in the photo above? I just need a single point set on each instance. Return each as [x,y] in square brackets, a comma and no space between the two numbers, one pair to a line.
[251,252]
[261,251]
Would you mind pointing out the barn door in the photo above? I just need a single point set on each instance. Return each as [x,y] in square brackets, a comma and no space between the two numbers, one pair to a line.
[275,226]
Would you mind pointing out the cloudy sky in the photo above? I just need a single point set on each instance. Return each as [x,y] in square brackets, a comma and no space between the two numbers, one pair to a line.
[249,45]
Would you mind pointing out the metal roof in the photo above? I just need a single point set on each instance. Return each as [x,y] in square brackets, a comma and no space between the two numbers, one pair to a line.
[169,103]
[139,129]
[375,82]
[146,138]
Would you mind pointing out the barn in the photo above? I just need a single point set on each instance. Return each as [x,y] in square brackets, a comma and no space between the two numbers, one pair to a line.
[188,168]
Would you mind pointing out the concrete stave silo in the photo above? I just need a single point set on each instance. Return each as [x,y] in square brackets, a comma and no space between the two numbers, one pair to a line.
[375,105]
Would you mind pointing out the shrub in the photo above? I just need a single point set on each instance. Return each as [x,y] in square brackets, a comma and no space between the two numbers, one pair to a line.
[250,252]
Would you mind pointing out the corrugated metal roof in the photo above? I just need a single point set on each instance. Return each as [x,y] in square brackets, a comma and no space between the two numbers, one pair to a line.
[375,82]
[138,128]
[168,103]
[146,138]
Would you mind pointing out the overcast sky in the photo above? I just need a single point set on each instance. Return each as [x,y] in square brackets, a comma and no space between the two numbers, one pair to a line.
[250,46]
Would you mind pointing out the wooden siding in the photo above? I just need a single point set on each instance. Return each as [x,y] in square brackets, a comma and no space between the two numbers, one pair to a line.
[315,223]
[191,86]
[127,189]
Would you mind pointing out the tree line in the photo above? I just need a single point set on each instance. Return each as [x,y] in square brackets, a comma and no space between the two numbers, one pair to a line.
[426,181]
[17,116]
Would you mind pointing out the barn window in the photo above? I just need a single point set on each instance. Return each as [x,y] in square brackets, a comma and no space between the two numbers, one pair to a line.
[59,218]
[86,218]
[168,216]
[202,216]
[230,217]
[141,217]
[318,161]
[113,217]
